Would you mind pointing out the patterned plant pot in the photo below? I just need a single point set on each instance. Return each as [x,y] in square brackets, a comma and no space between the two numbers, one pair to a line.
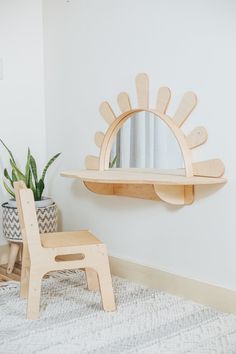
[47,219]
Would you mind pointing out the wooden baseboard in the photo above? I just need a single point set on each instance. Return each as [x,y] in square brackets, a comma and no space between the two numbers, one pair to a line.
[207,294]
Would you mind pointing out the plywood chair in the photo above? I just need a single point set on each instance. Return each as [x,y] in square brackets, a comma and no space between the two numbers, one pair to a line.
[58,251]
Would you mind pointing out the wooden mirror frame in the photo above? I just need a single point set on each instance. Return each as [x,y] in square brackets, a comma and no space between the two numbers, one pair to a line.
[119,122]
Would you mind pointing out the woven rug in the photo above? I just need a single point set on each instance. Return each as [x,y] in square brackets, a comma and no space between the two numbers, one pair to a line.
[146,321]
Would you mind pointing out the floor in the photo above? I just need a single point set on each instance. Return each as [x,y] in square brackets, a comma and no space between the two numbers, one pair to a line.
[146,321]
[15,275]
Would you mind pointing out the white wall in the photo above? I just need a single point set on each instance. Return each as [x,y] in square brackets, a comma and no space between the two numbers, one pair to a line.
[93,50]
[22,115]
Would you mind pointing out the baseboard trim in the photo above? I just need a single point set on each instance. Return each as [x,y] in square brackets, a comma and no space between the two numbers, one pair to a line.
[207,294]
[4,251]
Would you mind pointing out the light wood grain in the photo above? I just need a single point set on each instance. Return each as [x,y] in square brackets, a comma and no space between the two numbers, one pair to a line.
[16,269]
[186,106]
[136,177]
[7,276]
[163,99]
[143,191]
[142,87]
[92,162]
[107,112]
[98,138]
[45,252]
[100,188]
[124,102]
[14,275]
[176,194]
[209,168]
[197,137]
[3,278]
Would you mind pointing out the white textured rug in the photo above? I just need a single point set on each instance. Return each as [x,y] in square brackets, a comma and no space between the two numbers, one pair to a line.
[146,321]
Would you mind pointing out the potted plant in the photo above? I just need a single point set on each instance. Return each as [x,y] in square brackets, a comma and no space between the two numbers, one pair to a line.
[45,207]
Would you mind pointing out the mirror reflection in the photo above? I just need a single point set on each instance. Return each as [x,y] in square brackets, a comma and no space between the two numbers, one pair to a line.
[145,141]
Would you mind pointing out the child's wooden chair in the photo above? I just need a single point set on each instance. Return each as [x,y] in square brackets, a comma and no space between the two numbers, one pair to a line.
[58,251]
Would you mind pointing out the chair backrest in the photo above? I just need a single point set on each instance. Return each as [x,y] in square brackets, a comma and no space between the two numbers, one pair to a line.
[27,218]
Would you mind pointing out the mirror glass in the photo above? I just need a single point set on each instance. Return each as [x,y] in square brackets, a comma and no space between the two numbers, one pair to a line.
[145,141]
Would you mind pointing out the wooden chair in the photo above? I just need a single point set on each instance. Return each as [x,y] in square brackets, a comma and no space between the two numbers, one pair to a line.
[58,251]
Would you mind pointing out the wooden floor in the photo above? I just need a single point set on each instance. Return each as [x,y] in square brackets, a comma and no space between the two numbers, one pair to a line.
[15,275]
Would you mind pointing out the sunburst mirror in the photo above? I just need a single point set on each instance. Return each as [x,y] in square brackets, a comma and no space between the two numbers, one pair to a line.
[175,186]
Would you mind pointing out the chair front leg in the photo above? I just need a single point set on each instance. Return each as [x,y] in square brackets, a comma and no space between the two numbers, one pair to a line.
[105,282]
[92,279]
[35,279]
[24,280]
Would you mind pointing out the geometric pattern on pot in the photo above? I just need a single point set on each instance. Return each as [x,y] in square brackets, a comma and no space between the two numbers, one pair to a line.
[47,220]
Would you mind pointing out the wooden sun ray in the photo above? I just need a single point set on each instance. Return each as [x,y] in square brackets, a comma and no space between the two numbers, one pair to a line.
[124,102]
[186,106]
[142,87]
[209,168]
[197,137]
[98,138]
[92,162]
[163,99]
[107,112]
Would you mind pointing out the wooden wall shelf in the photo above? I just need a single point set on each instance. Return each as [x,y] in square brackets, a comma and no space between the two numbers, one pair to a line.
[146,184]
[140,176]
[172,186]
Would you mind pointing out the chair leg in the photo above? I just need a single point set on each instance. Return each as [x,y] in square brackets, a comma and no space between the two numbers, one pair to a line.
[24,280]
[14,249]
[104,276]
[34,295]
[92,279]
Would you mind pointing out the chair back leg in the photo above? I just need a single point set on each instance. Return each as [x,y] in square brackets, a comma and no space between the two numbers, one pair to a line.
[92,279]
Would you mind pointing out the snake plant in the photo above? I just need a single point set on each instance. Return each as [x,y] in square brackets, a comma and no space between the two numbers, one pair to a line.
[29,176]
[113,162]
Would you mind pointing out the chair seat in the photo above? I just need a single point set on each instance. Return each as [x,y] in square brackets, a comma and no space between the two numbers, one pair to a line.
[67,239]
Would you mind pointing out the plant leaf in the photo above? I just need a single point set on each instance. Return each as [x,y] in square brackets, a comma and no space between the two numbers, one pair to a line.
[40,189]
[49,164]
[34,169]
[14,177]
[27,168]
[113,162]
[31,185]
[20,176]
[8,150]
[7,176]
[9,190]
